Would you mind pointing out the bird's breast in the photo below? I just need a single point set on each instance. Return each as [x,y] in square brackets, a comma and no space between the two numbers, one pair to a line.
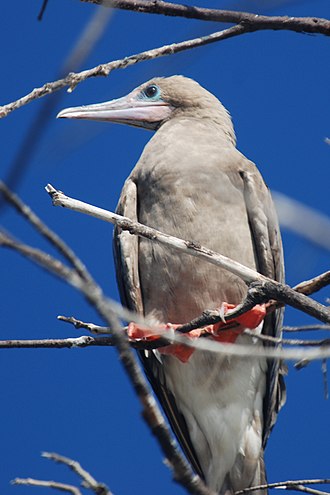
[195,201]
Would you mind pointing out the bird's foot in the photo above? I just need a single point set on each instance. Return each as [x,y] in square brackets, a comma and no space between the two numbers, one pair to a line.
[224,331]
[227,331]
[180,351]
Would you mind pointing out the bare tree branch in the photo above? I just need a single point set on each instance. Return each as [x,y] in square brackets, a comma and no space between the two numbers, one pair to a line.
[286,485]
[87,479]
[89,341]
[263,288]
[92,291]
[83,341]
[91,327]
[245,23]
[313,285]
[305,328]
[73,79]
[42,10]
[254,22]
[63,487]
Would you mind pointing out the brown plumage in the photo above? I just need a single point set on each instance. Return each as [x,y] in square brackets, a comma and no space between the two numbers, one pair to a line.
[193,183]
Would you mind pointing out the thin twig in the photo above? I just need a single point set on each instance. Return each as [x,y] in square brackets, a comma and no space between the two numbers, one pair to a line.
[68,343]
[286,485]
[73,79]
[254,21]
[313,285]
[305,328]
[280,341]
[306,489]
[91,327]
[89,341]
[87,479]
[246,23]
[47,484]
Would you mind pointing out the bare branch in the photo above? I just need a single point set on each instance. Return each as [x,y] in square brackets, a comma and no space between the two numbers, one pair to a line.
[286,485]
[47,484]
[94,295]
[192,248]
[305,328]
[91,327]
[87,479]
[280,341]
[263,288]
[314,284]
[83,341]
[306,489]
[73,79]
[89,341]
[254,22]
[245,23]
[97,329]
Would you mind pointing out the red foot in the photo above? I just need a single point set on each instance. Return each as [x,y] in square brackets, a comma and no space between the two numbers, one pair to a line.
[226,332]
[251,319]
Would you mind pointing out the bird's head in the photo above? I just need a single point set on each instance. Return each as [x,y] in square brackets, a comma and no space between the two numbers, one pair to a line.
[155,102]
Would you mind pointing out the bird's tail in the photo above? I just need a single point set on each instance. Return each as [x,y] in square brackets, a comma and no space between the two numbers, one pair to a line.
[230,487]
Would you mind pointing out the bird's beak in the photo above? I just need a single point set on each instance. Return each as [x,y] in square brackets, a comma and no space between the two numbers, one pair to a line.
[127,110]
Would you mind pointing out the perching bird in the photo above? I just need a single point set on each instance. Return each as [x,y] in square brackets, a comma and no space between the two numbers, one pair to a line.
[192,182]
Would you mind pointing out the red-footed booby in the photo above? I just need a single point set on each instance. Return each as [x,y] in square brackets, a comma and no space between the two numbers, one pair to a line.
[192,182]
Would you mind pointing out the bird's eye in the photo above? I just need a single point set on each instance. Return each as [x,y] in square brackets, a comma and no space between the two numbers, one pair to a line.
[151,91]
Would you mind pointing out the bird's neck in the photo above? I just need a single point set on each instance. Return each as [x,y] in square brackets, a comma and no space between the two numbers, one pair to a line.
[216,123]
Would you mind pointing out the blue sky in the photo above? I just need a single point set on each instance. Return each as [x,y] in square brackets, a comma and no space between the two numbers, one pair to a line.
[79,402]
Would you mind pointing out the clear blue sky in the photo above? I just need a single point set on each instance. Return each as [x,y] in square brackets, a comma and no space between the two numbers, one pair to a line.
[79,403]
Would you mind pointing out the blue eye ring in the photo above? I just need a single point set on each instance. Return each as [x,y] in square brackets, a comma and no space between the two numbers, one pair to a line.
[151,91]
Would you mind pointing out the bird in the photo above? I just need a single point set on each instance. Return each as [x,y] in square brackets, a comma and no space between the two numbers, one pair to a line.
[193,183]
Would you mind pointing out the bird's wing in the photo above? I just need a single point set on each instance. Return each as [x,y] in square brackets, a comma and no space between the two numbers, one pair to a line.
[127,270]
[269,256]
[126,247]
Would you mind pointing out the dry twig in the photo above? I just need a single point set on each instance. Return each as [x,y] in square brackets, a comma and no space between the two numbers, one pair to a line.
[305,328]
[73,79]
[244,23]
[87,479]
[255,22]
[63,487]
[289,485]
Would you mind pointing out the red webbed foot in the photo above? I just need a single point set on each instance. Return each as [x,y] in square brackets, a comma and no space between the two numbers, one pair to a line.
[228,331]
[180,351]
[224,331]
